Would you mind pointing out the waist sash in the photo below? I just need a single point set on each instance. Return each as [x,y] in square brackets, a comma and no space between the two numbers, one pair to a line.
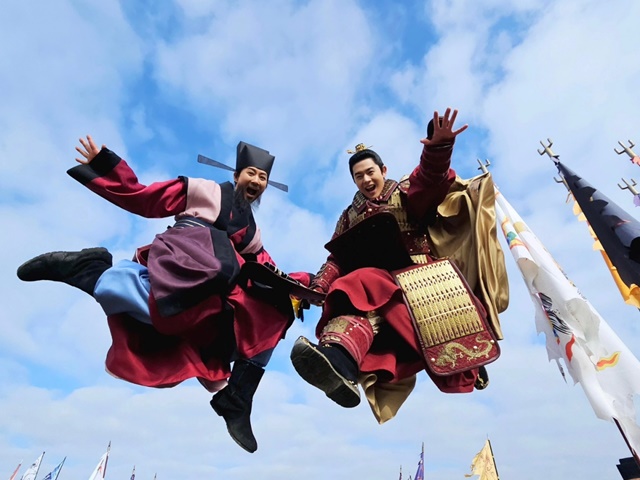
[451,327]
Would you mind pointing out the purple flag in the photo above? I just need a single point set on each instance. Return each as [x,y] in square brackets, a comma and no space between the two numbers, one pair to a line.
[420,472]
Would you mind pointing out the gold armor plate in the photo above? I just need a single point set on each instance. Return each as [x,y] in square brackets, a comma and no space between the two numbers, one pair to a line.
[452,332]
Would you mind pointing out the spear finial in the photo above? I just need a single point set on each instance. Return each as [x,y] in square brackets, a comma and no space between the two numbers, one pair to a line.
[548,151]
[629,186]
[483,166]
[626,149]
[563,181]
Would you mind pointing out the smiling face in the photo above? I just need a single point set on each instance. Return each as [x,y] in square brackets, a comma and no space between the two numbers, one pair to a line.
[252,181]
[369,177]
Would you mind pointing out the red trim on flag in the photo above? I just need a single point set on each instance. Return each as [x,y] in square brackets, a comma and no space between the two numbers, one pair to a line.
[568,347]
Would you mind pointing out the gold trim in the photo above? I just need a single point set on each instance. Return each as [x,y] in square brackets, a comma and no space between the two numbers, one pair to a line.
[441,305]
[454,351]
[359,147]
[360,201]
[337,325]
[419,258]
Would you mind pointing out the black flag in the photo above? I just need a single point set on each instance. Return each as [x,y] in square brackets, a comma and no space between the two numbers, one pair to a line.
[617,231]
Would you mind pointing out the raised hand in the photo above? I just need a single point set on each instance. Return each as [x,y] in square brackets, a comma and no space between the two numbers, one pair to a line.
[443,128]
[89,150]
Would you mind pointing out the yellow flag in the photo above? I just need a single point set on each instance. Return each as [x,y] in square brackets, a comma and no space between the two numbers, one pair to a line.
[483,464]
[630,293]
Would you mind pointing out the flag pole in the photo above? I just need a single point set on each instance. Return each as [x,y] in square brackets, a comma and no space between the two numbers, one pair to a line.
[57,470]
[61,465]
[634,454]
[15,472]
[39,465]
[493,458]
[106,461]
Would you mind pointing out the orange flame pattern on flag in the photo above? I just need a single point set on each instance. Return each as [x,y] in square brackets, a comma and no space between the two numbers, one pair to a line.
[606,362]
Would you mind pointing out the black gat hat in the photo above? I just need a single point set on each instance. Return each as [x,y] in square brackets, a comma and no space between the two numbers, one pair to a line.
[248,155]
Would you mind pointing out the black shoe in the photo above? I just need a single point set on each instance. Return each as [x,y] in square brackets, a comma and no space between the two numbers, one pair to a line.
[482,381]
[79,269]
[233,403]
[328,368]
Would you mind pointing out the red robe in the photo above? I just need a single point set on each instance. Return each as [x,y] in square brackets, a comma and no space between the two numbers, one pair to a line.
[395,353]
[199,314]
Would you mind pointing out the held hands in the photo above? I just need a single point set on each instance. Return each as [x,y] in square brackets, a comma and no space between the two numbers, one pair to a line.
[89,150]
[443,128]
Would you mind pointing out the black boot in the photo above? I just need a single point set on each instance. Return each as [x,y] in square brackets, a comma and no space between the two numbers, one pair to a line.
[233,403]
[78,269]
[329,368]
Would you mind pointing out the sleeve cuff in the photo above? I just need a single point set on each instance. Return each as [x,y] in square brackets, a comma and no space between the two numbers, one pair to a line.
[103,163]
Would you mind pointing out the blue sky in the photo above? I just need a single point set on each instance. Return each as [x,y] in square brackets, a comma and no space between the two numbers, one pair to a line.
[160,84]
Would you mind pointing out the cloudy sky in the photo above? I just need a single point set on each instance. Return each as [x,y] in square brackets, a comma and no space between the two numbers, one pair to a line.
[161,82]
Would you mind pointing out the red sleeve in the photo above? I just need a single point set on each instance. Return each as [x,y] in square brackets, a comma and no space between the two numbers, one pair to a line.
[109,176]
[303,277]
[431,179]
[263,257]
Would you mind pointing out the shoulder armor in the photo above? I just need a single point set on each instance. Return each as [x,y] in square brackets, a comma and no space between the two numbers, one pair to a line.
[343,222]
[404,184]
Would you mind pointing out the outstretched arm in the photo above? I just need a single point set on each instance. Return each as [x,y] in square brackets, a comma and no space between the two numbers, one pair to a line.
[432,178]
[105,173]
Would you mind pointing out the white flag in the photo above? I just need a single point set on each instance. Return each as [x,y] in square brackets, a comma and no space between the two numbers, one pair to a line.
[101,469]
[595,357]
[32,471]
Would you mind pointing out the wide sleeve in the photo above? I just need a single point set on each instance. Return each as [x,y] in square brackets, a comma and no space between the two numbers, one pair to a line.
[430,180]
[112,178]
[263,257]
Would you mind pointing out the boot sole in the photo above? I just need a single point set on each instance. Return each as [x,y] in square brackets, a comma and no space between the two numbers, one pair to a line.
[316,370]
[30,271]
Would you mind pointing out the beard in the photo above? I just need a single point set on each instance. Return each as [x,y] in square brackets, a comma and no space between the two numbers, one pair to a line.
[240,200]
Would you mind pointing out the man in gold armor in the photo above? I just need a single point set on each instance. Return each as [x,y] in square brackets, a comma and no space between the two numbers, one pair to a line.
[381,323]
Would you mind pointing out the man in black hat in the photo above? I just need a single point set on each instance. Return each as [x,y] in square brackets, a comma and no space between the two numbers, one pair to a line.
[176,311]
[395,303]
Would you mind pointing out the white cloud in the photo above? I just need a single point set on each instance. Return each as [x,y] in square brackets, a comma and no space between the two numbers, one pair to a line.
[293,77]
[278,74]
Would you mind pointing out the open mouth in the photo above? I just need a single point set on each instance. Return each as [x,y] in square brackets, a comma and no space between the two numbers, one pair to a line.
[370,189]
[251,192]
